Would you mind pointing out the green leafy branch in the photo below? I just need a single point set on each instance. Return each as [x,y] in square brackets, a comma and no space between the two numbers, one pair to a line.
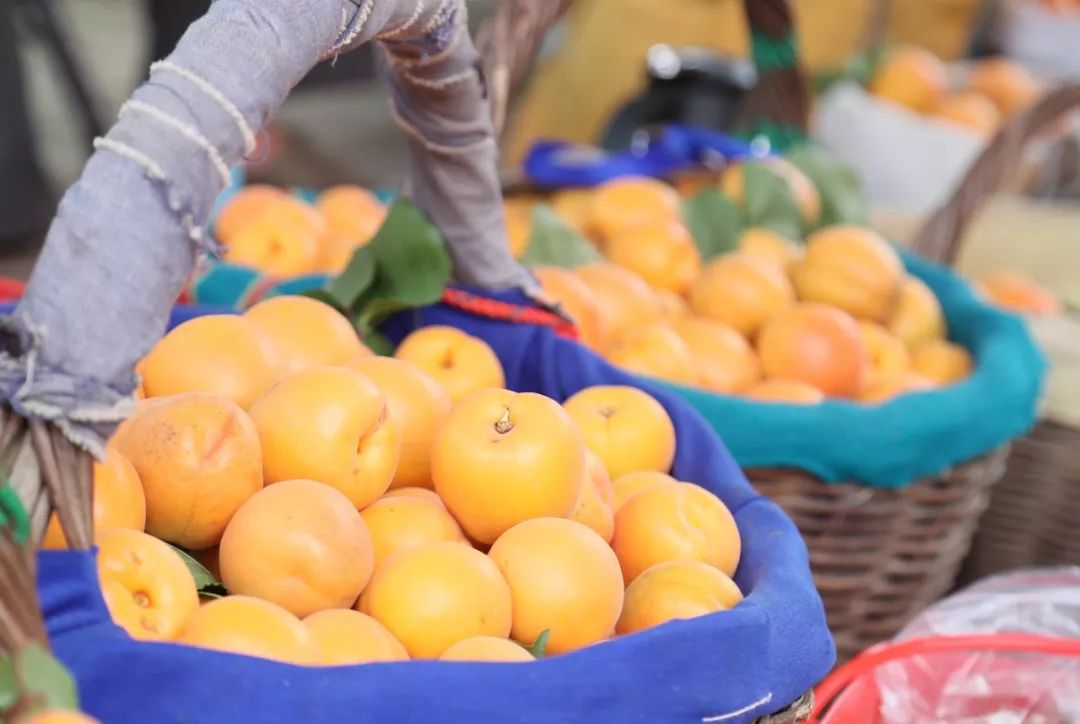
[404,266]
[553,242]
[716,222]
[206,582]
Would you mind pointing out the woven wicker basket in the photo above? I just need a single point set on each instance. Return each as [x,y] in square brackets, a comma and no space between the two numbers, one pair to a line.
[1031,519]
[880,556]
[48,473]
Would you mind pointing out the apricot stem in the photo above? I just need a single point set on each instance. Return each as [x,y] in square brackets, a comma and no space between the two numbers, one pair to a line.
[503,424]
[141,599]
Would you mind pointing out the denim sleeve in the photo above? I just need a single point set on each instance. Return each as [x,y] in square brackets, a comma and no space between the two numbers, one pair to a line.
[128,232]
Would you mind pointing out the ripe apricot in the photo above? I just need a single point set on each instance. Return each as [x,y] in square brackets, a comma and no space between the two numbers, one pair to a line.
[661,253]
[852,268]
[595,507]
[398,524]
[57,716]
[458,361]
[518,214]
[563,578]
[723,359]
[351,212]
[487,648]
[334,255]
[420,493]
[1018,293]
[789,391]
[885,352]
[741,291]
[941,362]
[1006,83]
[624,299]
[573,207]
[769,246]
[887,385]
[654,350]
[629,485]
[675,522]
[253,627]
[345,636]
[625,427]
[119,501]
[221,353]
[732,182]
[912,77]
[676,590]
[299,544]
[306,333]
[969,110]
[198,457]
[917,316]
[147,587]
[435,595]
[329,424]
[577,300]
[418,405]
[243,207]
[818,345]
[631,201]
[503,457]
[275,244]
[672,306]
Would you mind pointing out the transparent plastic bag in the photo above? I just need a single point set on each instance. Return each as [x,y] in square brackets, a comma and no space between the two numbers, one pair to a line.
[995,687]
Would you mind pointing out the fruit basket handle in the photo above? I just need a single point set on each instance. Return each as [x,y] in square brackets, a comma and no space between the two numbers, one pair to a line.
[939,238]
[128,232]
[509,42]
[778,106]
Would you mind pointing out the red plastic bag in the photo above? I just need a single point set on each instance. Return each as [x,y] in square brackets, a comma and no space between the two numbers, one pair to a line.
[1005,651]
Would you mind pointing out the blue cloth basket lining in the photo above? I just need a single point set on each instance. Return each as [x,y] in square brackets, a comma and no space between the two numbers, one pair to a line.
[733,666]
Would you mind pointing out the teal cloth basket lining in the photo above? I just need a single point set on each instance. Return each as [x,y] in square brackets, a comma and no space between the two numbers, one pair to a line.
[893,444]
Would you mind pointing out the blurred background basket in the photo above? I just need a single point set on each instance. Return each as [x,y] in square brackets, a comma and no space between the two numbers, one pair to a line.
[882,556]
[1031,519]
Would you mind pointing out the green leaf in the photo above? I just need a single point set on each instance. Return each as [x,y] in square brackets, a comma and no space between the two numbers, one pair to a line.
[379,343]
[714,221]
[539,647]
[205,581]
[842,197]
[357,278]
[412,264]
[373,311]
[553,242]
[323,296]
[769,201]
[9,685]
[44,678]
[214,590]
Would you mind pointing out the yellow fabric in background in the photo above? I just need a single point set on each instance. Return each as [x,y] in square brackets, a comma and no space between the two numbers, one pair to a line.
[601,62]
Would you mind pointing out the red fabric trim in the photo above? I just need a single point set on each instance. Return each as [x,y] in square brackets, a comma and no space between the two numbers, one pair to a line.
[257,291]
[11,290]
[495,309]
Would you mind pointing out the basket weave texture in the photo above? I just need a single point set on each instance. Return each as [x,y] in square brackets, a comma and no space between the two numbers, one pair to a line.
[1032,517]
[881,556]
